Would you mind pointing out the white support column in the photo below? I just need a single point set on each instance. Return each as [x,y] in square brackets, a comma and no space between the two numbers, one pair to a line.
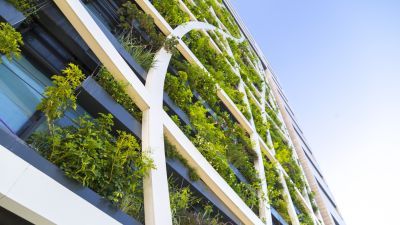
[310,180]
[264,207]
[155,185]
[291,210]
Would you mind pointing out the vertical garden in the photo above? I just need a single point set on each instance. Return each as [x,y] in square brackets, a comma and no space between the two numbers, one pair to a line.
[94,150]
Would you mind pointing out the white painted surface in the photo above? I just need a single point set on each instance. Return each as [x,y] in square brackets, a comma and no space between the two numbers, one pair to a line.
[38,198]
[156,194]
[98,42]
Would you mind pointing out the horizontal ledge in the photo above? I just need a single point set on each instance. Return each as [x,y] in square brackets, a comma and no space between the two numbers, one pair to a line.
[235,111]
[45,201]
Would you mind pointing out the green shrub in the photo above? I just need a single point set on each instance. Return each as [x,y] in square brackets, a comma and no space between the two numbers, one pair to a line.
[219,146]
[218,67]
[10,41]
[225,17]
[273,115]
[139,52]
[189,209]
[129,13]
[261,126]
[284,154]
[112,166]
[172,153]
[201,11]
[118,93]
[304,217]
[24,6]
[61,96]
[275,190]
[171,12]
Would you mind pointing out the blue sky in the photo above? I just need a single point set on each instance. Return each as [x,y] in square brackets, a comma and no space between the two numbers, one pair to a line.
[339,64]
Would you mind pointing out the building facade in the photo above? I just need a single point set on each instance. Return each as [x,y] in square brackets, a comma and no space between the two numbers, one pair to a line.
[147,112]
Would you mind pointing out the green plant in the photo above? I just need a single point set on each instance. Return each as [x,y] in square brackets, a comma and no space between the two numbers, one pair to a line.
[177,89]
[218,146]
[304,217]
[273,116]
[10,41]
[129,14]
[218,67]
[171,12]
[225,17]
[139,52]
[172,153]
[112,166]
[24,6]
[275,190]
[311,196]
[262,127]
[201,11]
[170,43]
[189,209]
[61,96]
[117,91]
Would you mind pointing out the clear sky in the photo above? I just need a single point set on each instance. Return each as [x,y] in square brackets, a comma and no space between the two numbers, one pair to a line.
[339,64]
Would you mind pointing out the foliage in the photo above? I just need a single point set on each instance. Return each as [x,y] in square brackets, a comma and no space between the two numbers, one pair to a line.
[177,89]
[304,217]
[172,153]
[10,41]
[112,166]
[61,96]
[272,114]
[202,11]
[262,127]
[275,190]
[217,41]
[117,91]
[24,6]
[170,43]
[311,196]
[130,14]
[219,146]
[242,54]
[225,17]
[189,209]
[171,12]
[284,154]
[139,52]
[200,81]
[218,67]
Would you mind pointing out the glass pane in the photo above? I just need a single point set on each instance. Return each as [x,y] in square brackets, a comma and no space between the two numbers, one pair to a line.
[21,86]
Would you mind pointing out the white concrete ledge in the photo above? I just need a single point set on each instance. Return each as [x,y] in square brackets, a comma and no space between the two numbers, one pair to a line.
[235,111]
[36,197]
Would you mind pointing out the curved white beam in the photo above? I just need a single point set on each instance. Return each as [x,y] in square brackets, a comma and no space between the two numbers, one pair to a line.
[157,205]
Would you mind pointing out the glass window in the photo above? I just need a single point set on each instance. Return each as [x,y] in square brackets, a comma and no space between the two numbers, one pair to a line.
[21,89]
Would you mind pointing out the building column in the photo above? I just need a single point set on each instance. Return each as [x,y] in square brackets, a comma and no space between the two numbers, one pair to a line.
[327,220]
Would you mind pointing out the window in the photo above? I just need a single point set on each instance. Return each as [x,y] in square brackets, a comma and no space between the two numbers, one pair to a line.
[21,88]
